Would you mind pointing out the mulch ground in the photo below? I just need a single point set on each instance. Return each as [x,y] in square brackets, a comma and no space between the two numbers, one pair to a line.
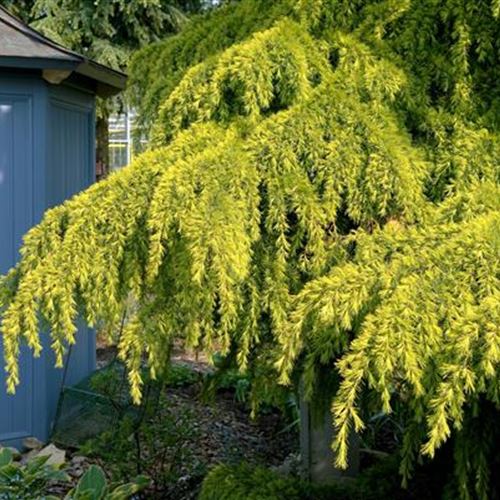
[223,428]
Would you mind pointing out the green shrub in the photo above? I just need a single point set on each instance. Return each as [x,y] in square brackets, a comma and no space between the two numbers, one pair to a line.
[227,377]
[244,482]
[380,481]
[180,375]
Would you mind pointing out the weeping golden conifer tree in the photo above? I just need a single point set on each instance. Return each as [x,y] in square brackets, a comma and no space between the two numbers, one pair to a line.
[320,196]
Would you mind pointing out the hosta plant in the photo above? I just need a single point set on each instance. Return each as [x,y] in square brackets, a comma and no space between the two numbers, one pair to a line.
[93,485]
[29,481]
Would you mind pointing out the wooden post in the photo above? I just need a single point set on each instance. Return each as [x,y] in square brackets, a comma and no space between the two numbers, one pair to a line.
[318,458]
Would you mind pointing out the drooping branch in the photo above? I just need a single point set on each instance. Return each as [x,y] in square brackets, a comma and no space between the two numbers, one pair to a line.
[305,196]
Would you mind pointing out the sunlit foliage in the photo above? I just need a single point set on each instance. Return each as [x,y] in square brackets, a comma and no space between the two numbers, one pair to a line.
[321,195]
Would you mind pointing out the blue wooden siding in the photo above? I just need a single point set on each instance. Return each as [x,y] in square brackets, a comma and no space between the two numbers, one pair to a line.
[46,156]
[70,159]
[70,168]
[16,216]
[16,175]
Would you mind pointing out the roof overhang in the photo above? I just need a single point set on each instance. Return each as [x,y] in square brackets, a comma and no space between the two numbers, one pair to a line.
[109,81]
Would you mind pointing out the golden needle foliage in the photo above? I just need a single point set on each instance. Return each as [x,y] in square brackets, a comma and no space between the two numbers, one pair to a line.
[321,195]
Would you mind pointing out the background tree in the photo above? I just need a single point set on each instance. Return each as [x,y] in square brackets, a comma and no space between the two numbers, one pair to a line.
[108,32]
[20,8]
[321,200]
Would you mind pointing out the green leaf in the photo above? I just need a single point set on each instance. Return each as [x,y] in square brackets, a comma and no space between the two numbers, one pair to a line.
[126,490]
[94,482]
[142,481]
[37,463]
[8,472]
[123,492]
[85,495]
[6,457]
[60,476]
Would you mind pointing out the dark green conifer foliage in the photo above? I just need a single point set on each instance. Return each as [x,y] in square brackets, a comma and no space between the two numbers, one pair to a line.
[322,195]
[156,70]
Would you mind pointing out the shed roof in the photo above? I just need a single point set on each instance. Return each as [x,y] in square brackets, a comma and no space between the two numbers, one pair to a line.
[24,47]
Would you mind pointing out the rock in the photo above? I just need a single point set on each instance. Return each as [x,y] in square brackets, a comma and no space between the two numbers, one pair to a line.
[57,456]
[32,443]
[291,465]
[78,460]
[76,472]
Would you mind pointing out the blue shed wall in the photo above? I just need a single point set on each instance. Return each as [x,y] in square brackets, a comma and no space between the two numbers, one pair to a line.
[19,108]
[70,168]
[46,156]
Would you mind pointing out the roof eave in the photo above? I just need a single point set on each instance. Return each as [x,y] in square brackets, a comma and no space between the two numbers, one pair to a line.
[38,63]
[109,81]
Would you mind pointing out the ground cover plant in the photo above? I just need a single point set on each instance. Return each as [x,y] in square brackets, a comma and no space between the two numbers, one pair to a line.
[321,201]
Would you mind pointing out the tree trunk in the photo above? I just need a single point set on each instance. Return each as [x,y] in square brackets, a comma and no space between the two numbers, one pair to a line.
[316,436]
[102,147]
